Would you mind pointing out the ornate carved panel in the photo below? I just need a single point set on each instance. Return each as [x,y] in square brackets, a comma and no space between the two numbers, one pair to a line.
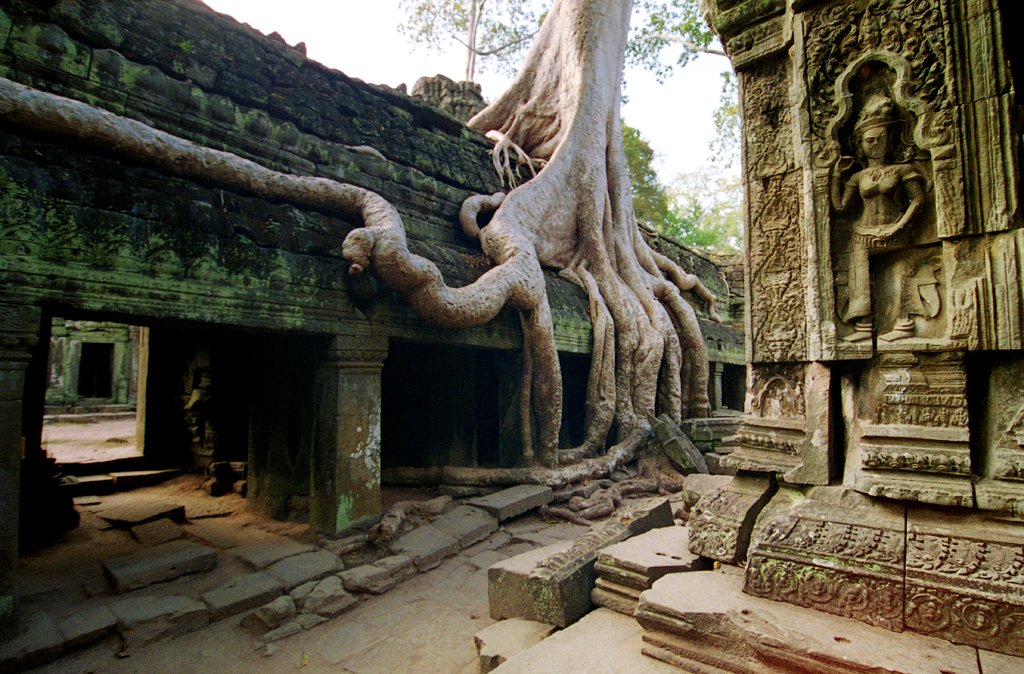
[1002,430]
[965,579]
[720,524]
[836,552]
[768,118]
[786,425]
[910,437]
[777,264]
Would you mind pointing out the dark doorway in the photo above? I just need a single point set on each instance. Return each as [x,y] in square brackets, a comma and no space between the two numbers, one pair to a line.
[96,370]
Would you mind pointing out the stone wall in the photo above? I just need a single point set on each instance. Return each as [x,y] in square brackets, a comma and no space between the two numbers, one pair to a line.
[882,159]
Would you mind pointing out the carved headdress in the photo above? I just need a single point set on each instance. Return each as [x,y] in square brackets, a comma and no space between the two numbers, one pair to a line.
[878,111]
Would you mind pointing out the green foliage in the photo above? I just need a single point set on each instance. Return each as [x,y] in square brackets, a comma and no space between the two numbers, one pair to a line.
[708,206]
[673,26]
[725,146]
[650,200]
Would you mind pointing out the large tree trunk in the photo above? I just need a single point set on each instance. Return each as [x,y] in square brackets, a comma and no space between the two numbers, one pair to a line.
[575,216]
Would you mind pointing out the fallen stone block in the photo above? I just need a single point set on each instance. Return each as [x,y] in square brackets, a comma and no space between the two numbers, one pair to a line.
[426,546]
[294,571]
[678,446]
[498,642]
[140,511]
[328,598]
[36,641]
[86,626]
[87,485]
[269,616]
[721,523]
[553,584]
[158,564]
[156,532]
[698,485]
[263,553]
[467,525]
[143,620]
[509,503]
[703,620]
[241,594]
[367,578]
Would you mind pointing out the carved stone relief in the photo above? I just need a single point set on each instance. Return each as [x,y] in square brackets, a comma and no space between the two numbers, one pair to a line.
[768,119]
[837,552]
[1001,486]
[777,263]
[721,522]
[965,579]
[907,418]
[786,424]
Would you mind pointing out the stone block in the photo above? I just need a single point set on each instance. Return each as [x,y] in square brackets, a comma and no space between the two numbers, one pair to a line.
[717,465]
[156,532]
[82,485]
[999,663]
[467,525]
[553,584]
[426,546]
[720,523]
[703,620]
[140,511]
[86,626]
[270,615]
[834,550]
[36,640]
[698,485]
[328,598]
[294,571]
[509,503]
[241,594]
[398,567]
[367,578]
[158,564]
[964,574]
[498,642]
[614,596]
[143,620]
[263,553]
[678,447]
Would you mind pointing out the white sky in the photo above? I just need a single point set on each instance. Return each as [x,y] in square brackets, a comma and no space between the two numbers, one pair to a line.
[361,39]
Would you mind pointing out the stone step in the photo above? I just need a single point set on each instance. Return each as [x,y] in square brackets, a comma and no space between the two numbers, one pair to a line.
[141,511]
[702,621]
[159,564]
[496,643]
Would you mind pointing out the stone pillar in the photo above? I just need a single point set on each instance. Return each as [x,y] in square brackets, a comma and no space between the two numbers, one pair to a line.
[715,385]
[19,332]
[345,480]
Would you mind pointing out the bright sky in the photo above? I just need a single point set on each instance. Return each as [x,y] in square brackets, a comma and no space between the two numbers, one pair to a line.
[361,39]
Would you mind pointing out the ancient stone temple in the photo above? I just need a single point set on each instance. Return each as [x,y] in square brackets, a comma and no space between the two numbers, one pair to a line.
[881,445]
[319,380]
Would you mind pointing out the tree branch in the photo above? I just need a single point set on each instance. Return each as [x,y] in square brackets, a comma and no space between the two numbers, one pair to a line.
[498,50]
[693,46]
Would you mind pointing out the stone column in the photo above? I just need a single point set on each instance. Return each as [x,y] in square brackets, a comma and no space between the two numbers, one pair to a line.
[19,332]
[345,480]
[715,384]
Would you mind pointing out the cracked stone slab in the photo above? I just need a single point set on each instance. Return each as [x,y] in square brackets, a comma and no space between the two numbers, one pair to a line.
[467,525]
[294,571]
[241,594]
[509,503]
[329,598]
[643,559]
[143,620]
[158,531]
[367,578]
[159,564]
[426,546]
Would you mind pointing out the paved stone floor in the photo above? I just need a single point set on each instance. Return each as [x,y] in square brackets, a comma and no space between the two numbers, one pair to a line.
[424,624]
